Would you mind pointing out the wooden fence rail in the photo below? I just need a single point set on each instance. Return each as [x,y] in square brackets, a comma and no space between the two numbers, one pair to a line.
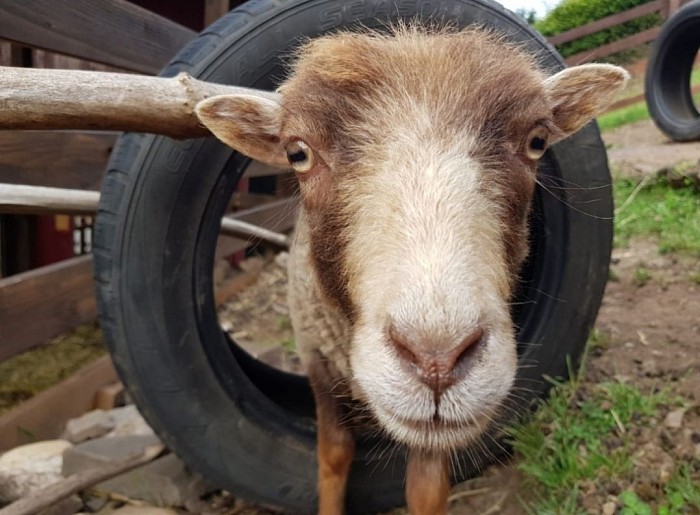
[663,7]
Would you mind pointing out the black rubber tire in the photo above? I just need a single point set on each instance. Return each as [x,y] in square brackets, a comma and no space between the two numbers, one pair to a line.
[667,82]
[248,428]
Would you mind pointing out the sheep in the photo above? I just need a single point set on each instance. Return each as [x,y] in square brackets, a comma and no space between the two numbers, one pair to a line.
[415,152]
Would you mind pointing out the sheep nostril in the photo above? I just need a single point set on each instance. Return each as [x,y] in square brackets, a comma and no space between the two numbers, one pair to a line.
[436,367]
[463,353]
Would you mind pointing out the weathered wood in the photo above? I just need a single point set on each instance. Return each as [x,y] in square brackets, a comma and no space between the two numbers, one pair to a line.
[16,198]
[90,100]
[108,397]
[37,305]
[96,31]
[52,60]
[37,200]
[45,415]
[52,494]
[68,159]
[606,23]
[671,6]
[214,9]
[612,48]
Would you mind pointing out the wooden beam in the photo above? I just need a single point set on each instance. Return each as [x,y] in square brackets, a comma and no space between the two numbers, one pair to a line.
[37,305]
[17,198]
[113,32]
[214,9]
[612,48]
[45,415]
[68,159]
[606,23]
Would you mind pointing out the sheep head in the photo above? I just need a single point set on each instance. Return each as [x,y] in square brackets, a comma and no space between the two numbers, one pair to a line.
[416,155]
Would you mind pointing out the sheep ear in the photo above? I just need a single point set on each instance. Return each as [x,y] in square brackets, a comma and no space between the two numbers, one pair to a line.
[246,123]
[579,94]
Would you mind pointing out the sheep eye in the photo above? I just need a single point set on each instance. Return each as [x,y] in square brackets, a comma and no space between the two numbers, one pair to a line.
[300,156]
[536,143]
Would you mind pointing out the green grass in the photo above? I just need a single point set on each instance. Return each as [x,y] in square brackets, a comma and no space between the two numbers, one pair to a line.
[638,111]
[624,116]
[653,208]
[582,434]
[27,374]
[642,276]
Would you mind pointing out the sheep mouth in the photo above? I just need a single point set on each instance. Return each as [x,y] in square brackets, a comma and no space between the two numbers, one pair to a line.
[436,433]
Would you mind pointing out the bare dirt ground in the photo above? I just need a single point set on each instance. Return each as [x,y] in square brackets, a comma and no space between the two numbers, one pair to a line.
[651,339]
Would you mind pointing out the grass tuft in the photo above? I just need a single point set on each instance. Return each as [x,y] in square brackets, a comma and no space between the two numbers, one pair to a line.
[582,434]
[653,208]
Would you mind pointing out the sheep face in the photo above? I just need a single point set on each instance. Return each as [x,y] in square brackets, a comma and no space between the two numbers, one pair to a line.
[416,157]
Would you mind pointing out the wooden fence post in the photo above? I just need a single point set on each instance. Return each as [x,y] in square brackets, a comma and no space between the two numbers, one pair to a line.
[671,7]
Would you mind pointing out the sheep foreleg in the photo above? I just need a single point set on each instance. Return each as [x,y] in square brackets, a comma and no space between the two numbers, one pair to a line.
[335,445]
[427,483]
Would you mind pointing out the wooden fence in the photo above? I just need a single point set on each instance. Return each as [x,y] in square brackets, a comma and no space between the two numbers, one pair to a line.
[664,8]
[112,35]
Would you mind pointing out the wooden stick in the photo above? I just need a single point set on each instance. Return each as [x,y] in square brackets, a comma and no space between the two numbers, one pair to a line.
[21,199]
[79,482]
[39,200]
[33,98]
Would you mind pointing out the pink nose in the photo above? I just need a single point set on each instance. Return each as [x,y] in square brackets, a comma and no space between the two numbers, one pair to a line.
[438,367]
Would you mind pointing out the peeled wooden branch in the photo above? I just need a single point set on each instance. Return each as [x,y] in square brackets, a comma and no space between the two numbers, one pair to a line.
[79,482]
[32,98]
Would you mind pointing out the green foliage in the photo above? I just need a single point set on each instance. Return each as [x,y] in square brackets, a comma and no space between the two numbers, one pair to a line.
[27,374]
[529,15]
[633,505]
[653,208]
[624,116]
[642,276]
[682,492]
[580,434]
[570,14]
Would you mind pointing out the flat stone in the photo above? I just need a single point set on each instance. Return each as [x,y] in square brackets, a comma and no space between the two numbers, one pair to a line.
[103,450]
[609,508]
[674,420]
[129,422]
[165,481]
[29,468]
[91,425]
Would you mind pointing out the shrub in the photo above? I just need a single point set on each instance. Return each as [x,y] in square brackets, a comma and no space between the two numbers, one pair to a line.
[575,13]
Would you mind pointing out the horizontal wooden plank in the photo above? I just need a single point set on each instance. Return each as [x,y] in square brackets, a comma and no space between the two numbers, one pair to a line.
[44,416]
[37,305]
[66,159]
[113,32]
[606,23]
[612,48]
